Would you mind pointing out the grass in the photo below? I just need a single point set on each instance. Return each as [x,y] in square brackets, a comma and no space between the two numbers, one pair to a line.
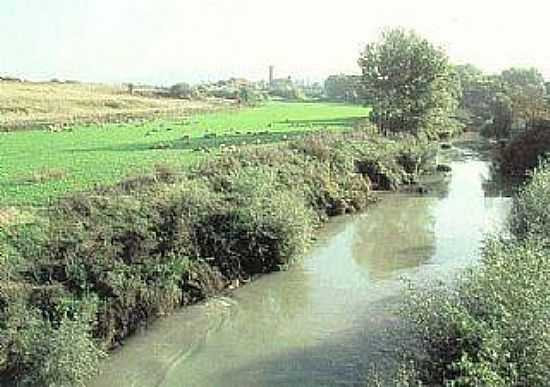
[39,105]
[38,165]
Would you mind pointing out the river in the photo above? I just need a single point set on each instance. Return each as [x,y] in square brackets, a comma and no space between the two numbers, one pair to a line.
[328,319]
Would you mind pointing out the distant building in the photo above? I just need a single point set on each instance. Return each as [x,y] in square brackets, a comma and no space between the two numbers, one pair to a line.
[271,74]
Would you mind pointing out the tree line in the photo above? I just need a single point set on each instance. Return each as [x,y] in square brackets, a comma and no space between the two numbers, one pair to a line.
[411,86]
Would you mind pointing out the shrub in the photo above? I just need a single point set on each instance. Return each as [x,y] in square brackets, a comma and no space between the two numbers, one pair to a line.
[65,356]
[262,228]
[250,96]
[36,351]
[530,212]
[271,230]
[181,90]
[524,152]
[492,326]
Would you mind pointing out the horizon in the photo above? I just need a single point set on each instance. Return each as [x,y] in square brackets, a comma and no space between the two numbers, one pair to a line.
[170,41]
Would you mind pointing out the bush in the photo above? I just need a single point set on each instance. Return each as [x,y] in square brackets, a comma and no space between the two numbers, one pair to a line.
[250,96]
[530,212]
[38,352]
[492,326]
[271,227]
[65,356]
[181,90]
[262,227]
[524,152]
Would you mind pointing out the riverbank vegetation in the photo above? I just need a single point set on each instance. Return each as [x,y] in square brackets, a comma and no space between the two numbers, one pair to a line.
[491,326]
[86,259]
[512,107]
[103,262]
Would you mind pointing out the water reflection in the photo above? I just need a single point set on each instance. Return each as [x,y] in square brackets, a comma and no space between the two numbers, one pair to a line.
[320,323]
[398,234]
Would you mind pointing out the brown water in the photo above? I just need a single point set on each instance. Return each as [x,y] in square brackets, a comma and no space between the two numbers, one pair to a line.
[325,321]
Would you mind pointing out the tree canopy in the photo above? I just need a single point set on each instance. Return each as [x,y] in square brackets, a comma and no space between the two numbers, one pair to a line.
[526,89]
[409,83]
[342,87]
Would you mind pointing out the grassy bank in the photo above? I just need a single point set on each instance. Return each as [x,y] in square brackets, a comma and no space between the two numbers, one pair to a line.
[106,261]
[492,326]
[37,166]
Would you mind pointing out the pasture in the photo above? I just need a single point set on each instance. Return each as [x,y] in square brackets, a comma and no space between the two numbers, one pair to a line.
[39,165]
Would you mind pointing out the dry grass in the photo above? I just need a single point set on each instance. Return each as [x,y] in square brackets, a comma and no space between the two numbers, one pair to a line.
[27,105]
[8,216]
[12,216]
[45,175]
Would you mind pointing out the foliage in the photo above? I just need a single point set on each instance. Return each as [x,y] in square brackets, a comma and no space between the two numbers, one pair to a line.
[39,352]
[181,90]
[503,117]
[285,88]
[514,99]
[64,356]
[409,83]
[525,150]
[478,93]
[525,87]
[492,325]
[530,212]
[314,91]
[250,96]
[343,87]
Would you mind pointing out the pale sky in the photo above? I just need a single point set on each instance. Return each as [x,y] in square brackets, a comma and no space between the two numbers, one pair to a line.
[166,41]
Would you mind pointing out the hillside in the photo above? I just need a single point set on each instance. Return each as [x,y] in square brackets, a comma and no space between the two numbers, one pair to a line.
[29,105]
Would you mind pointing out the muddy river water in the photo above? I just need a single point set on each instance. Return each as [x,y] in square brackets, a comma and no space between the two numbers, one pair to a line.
[326,320]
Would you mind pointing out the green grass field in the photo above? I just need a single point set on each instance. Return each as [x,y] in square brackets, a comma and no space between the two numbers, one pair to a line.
[36,166]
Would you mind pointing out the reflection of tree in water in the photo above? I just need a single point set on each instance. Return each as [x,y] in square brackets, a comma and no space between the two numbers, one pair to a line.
[498,185]
[276,298]
[395,235]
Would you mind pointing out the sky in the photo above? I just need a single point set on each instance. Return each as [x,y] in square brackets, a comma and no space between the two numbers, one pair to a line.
[168,41]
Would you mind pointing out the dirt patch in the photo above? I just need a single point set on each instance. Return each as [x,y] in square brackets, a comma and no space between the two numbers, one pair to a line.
[8,216]
[46,175]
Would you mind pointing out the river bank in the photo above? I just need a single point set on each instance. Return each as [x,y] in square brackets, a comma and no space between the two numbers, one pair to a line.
[326,320]
[490,325]
[103,263]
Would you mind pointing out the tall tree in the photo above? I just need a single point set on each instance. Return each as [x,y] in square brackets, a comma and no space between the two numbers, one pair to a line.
[343,87]
[479,92]
[526,89]
[409,83]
